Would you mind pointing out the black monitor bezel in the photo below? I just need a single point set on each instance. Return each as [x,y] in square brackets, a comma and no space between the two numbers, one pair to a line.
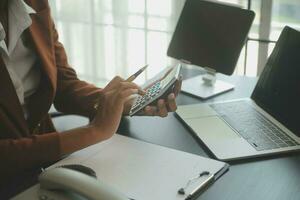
[281,48]
[244,20]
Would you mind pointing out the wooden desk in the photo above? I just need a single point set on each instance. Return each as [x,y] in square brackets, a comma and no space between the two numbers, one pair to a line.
[267,178]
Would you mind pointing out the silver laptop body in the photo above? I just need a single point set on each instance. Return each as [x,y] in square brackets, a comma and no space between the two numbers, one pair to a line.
[223,140]
[268,122]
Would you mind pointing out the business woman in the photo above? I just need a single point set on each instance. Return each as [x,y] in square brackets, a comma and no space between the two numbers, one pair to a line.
[34,74]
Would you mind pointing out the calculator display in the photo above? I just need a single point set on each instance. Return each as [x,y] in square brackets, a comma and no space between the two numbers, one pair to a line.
[168,79]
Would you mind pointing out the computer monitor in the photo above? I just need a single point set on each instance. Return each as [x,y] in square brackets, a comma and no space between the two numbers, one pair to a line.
[210,35]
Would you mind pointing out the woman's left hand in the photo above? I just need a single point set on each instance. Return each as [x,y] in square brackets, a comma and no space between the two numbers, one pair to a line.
[163,106]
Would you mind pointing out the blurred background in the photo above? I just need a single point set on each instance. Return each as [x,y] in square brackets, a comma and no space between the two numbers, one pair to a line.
[104,38]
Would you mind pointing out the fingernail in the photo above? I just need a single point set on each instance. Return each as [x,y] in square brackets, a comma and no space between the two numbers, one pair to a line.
[141,92]
[161,102]
[172,96]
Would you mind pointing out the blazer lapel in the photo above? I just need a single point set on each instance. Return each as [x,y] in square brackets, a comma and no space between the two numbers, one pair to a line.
[41,36]
[42,99]
[10,102]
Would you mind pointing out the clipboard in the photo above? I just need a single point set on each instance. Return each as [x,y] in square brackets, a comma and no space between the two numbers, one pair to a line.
[145,171]
[142,171]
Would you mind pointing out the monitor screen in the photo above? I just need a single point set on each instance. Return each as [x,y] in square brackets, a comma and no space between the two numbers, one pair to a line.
[278,88]
[211,35]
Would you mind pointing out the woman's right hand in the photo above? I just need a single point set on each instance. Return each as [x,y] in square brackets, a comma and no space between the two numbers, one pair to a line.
[111,105]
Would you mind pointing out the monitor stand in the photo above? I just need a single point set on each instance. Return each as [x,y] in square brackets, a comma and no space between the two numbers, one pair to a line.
[206,85]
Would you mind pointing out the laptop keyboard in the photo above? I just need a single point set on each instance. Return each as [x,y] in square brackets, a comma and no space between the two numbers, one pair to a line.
[253,126]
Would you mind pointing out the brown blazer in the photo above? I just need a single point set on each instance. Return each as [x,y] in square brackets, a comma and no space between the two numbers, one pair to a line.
[25,145]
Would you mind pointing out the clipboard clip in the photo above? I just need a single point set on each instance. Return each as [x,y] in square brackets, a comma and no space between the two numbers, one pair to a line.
[182,191]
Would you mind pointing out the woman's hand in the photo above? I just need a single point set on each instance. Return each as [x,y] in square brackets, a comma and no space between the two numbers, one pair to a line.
[163,106]
[111,105]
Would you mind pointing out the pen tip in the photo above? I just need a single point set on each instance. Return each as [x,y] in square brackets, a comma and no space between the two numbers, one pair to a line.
[145,67]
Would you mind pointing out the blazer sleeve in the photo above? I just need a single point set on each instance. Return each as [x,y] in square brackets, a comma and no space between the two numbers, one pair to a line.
[24,154]
[73,96]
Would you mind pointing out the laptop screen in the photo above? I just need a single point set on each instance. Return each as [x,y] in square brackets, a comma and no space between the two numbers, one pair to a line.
[278,88]
[210,34]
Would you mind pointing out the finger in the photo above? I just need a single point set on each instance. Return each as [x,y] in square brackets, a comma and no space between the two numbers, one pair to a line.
[162,108]
[130,85]
[172,102]
[114,83]
[177,87]
[149,111]
[127,94]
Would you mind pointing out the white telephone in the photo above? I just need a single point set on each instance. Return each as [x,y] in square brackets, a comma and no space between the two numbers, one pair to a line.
[68,184]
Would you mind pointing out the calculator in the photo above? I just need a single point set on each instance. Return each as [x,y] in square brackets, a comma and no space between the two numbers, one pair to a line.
[158,90]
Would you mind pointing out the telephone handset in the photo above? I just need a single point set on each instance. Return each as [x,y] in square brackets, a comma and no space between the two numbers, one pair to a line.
[67,184]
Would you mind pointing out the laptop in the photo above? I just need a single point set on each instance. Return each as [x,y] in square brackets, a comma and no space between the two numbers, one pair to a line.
[265,124]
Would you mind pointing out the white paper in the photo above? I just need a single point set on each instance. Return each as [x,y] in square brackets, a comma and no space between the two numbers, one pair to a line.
[141,170]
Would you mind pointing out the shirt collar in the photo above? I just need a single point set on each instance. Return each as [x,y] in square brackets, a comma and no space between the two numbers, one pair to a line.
[23,6]
[20,7]
[19,20]
[28,9]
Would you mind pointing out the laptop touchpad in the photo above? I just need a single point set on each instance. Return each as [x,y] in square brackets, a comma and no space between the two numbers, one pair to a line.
[211,128]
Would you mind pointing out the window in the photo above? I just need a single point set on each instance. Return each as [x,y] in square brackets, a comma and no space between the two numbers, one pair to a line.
[104,38]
